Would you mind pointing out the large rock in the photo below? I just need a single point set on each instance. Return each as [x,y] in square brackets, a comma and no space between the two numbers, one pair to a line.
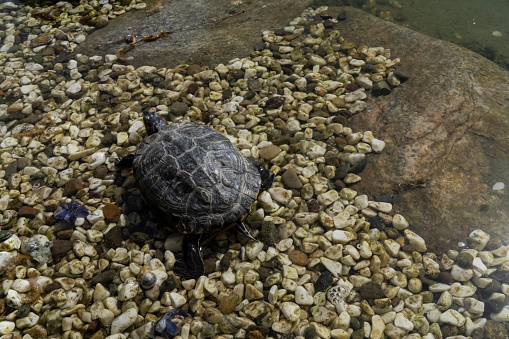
[446,131]
[208,44]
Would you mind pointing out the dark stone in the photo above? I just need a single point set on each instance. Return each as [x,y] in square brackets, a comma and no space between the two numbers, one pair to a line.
[11,168]
[259,46]
[108,139]
[225,261]
[464,260]
[101,171]
[62,225]
[324,281]
[27,212]
[494,305]
[449,331]
[493,286]
[381,88]
[139,238]
[72,186]
[359,166]
[23,162]
[356,323]
[65,235]
[192,88]
[376,222]
[268,234]
[113,239]
[313,206]
[52,286]
[167,286]
[445,277]
[310,332]
[477,333]
[179,108]
[371,290]
[275,102]
[60,249]
[103,278]
[210,265]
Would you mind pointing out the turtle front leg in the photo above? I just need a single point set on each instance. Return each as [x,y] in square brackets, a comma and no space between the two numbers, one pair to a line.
[190,264]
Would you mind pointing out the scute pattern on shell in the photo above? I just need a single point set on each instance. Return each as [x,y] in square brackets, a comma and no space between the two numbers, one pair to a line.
[196,174]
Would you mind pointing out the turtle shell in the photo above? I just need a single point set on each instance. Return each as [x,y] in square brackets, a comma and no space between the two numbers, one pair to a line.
[194,173]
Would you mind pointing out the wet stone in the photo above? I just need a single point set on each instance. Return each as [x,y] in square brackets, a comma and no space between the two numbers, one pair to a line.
[324,281]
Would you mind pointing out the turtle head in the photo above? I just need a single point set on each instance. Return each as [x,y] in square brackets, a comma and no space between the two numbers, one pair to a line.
[153,122]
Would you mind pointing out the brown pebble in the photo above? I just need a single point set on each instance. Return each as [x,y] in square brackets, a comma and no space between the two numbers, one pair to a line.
[192,88]
[225,262]
[60,249]
[298,258]
[269,152]
[41,40]
[210,265]
[73,186]
[228,302]
[254,335]
[313,206]
[36,332]
[445,277]
[291,179]
[101,171]
[111,212]
[27,212]
[52,286]
[14,108]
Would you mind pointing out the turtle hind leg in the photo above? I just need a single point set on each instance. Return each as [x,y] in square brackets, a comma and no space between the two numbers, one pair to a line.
[190,264]
[125,162]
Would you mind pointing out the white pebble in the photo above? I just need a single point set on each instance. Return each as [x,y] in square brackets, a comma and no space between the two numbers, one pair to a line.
[498,186]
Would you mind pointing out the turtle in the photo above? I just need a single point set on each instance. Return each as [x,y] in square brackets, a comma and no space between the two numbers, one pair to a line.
[196,180]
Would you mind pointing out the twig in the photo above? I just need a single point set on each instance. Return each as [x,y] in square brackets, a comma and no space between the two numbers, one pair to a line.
[166,35]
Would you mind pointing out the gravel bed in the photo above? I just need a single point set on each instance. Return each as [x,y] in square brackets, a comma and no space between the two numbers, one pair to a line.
[82,257]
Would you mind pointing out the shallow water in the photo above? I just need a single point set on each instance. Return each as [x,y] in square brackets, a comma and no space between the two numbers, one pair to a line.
[472,23]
